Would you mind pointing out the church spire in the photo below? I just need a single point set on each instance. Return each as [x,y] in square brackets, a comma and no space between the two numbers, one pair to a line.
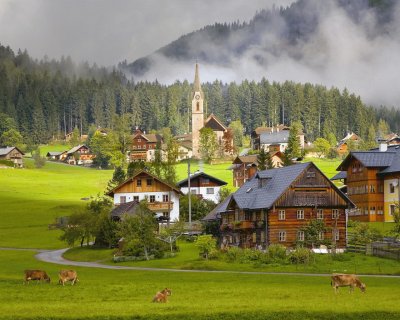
[197,86]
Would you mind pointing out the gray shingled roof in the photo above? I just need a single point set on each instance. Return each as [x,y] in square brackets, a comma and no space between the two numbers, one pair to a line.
[395,166]
[215,213]
[54,153]
[75,149]
[339,176]
[124,208]
[274,137]
[203,174]
[7,150]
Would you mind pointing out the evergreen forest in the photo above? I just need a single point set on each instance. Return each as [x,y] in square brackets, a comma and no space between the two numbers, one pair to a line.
[46,99]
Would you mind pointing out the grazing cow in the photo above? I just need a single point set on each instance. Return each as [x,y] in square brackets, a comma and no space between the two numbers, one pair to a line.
[161,296]
[39,275]
[347,280]
[67,275]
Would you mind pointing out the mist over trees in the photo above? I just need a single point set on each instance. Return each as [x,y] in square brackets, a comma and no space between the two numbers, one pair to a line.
[45,99]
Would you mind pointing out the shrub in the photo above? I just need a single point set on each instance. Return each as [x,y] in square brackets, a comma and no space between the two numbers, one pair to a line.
[300,256]
[233,254]
[277,252]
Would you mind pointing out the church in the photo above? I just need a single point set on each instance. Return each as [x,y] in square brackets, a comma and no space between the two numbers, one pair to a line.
[198,121]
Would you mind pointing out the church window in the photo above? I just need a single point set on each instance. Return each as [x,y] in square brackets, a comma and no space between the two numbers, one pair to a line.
[198,106]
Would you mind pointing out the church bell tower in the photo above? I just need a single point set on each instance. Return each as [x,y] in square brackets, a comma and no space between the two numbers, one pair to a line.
[197,113]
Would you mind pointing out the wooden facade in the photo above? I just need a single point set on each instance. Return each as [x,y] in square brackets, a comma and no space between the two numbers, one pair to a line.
[13,154]
[243,169]
[309,196]
[141,144]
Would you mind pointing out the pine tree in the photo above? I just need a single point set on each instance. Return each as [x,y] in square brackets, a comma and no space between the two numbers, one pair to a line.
[293,149]
[117,178]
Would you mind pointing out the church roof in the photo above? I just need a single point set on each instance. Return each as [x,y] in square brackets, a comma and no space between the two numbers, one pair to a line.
[214,123]
[196,84]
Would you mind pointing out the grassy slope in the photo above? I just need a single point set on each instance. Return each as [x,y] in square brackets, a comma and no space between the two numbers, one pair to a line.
[32,198]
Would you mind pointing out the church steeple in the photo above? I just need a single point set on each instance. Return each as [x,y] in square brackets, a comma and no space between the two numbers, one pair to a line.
[197,85]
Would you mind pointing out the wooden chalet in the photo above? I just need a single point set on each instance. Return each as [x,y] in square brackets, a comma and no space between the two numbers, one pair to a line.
[12,154]
[79,155]
[372,179]
[144,145]
[163,199]
[56,155]
[274,206]
[342,148]
[243,169]
[203,185]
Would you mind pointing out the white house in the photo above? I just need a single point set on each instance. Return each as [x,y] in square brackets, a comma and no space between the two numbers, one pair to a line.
[203,185]
[163,199]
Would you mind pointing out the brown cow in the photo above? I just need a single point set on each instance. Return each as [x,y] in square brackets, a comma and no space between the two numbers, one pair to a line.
[161,296]
[347,280]
[39,275]
[67,275]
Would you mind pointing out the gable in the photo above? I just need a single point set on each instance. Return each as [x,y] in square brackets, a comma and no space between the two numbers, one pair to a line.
[213,123]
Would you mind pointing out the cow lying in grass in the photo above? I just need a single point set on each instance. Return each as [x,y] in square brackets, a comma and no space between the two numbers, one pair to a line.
[67,275]
[347,280]
[161,296]
[38,275]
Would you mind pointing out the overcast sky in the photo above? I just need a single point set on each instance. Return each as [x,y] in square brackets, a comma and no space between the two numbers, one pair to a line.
[109,31]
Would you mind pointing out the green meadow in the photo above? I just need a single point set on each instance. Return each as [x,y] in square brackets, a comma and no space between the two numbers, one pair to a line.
[30,200]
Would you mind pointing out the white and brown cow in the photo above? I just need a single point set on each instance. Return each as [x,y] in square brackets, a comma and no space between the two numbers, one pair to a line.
[347,280]
[67,275]
[38,275]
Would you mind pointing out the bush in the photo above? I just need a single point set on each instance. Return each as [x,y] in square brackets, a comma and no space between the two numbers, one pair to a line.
[300,256]
[233,254]
[277,253]
[7,163]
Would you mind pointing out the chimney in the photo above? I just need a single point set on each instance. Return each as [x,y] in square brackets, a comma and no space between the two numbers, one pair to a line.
[383,146]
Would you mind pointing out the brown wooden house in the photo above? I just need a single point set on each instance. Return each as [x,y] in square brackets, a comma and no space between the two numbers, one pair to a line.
[12,154]
[342,148]
[275,205]
[79,155]
[144,145]
[243,168]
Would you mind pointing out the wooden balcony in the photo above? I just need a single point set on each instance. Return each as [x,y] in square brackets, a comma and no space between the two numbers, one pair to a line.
[160,206]
[245,224]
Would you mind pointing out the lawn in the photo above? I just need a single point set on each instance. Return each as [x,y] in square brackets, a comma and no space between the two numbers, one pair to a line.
[31,199]
[188,259]
[127,294]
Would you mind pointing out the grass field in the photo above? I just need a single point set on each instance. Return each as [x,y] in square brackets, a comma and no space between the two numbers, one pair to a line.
[126,294]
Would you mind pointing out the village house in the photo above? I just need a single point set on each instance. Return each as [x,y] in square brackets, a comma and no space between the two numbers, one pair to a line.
[79,155]
[273,139]
[244,167]
[56,155]
[275,205]
[342,148]
[185,150]
[392,139]
[162,198]
[202,185]
[144,146]
[372,179]
[12,154]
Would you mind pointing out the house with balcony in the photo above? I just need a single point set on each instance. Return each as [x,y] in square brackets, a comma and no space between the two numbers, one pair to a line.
[342,147]
[243,169]
[275,205]
[162,198]
[143,146]
[202,185]
[12,154]
[372,179]
[79,155]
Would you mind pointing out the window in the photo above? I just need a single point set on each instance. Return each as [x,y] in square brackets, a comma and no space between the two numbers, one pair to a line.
[281,215]
[152,198]
[149,182]
[320,214]
[122,199]
[139,182]
[392,209]
[310,174]
[210,190]
[321,235]
[300,214]
[165,198]
[372,210]
[282,236]
[335,213]
[136,198]
[300,235]
[380,210]
[372,188]
[206,180]
[193,191]
[139,140]
[336,235]
[198,106]
[391,188]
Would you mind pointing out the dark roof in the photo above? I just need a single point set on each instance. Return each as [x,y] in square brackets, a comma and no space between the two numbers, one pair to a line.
[274,137]
[339,176]
[370,159]
[250,159]
[250,196]
[201,174]
[214,123]
[54,153]
[75,149]
[124,208]
[215,213]
[7,150]
[111,193]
